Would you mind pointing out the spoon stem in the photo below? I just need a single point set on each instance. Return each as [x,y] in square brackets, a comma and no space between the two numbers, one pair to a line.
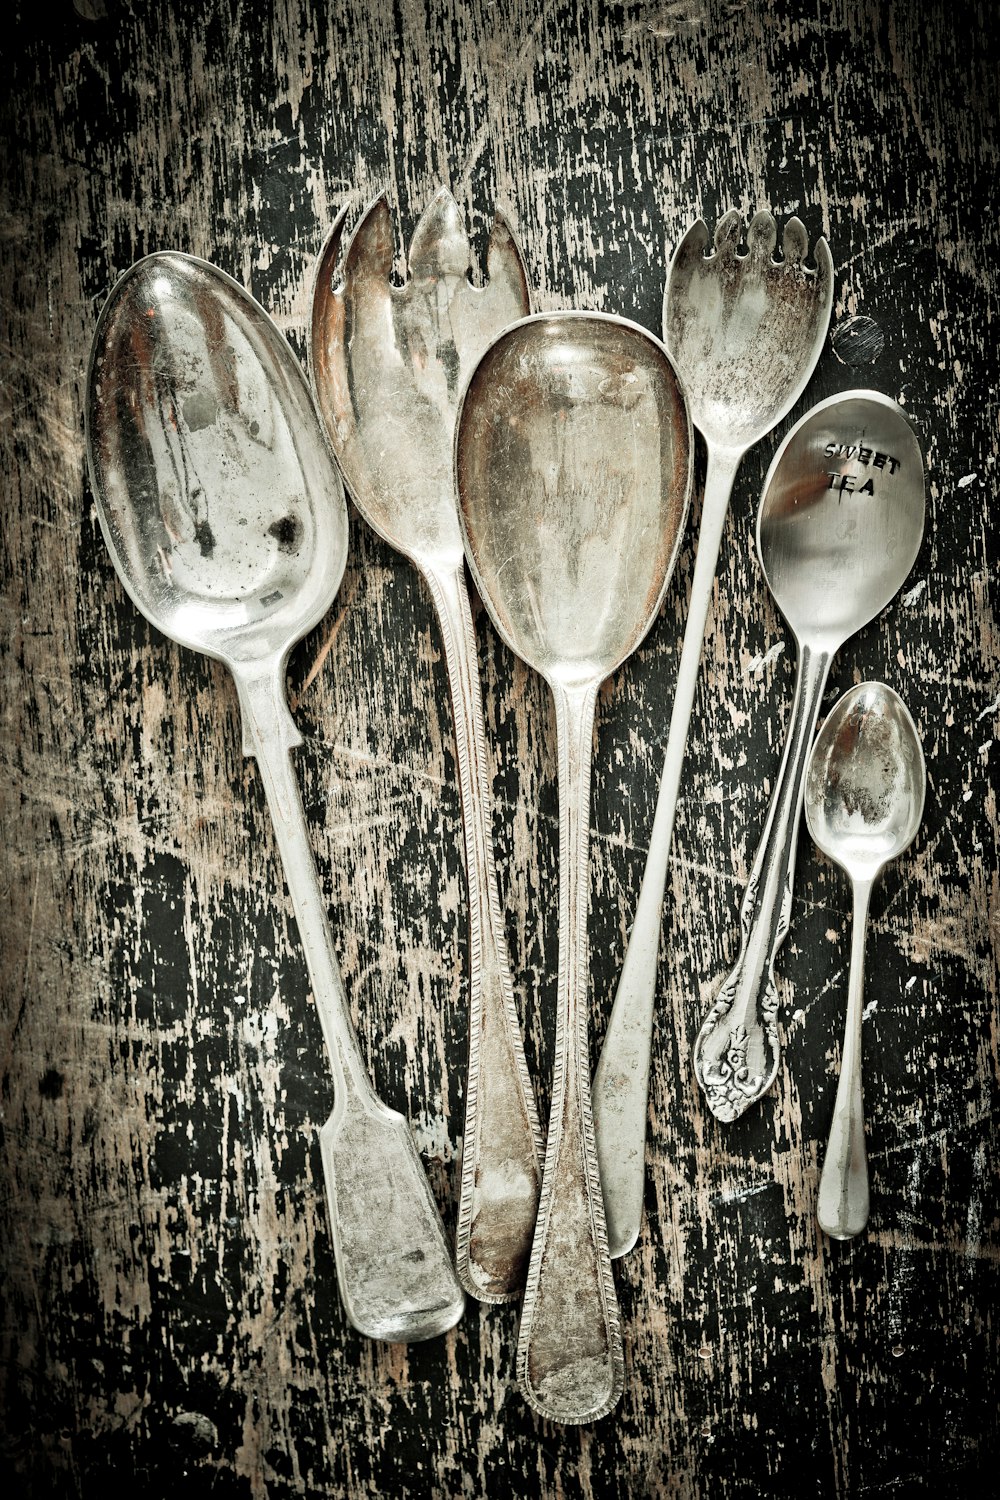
[736,1061]
[570,1363]
[502,1146]
[393,1263]
[621,1082]
[842,1207]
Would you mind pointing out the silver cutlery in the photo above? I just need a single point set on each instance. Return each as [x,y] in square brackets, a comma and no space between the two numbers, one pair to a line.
[388,364]
[573,467]
[838,529]
[225,519]
[744,332]
[864,799]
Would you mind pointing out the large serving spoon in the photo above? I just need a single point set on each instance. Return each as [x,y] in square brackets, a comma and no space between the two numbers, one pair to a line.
[225,518]
[864,798]
[745,332]
[388,363]
[573,467]
[838,530]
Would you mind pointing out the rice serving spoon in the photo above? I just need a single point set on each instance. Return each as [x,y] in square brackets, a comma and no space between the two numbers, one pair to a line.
[226,522]
[573,470]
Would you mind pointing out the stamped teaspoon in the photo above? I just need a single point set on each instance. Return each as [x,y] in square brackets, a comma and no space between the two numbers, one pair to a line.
[225,519]
[573,468]
[864,799]
[838,529]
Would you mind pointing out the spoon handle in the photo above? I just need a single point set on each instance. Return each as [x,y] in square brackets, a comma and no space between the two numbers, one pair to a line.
[736,1062]
[393,1263]
[569,1357]
[621,1082]
[842,1207]
[502,1142]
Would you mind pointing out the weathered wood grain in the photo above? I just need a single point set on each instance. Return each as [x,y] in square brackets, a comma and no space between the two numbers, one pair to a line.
[170,1312]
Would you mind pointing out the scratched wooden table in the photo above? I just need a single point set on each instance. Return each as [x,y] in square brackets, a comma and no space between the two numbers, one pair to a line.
[170,1312]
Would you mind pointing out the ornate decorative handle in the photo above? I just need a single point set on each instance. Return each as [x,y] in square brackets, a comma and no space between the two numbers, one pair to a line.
[737,1049]
[393,1261]
[621,1082]
[503,1142]
[569,1357]
[842,1207]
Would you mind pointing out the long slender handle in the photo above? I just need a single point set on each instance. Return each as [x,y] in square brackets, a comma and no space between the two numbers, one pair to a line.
[842,1207]
[570,1363]
[393,1262]
[737,1049]
[621,1082]
[501,1154]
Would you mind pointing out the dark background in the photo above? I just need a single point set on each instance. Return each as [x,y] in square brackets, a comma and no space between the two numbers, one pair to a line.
[170,1313]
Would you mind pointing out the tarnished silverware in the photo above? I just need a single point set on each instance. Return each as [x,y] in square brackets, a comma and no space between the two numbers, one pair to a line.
[388,364]
[226,522]
[573,465]
[864,799]
[838,530]
[745,333]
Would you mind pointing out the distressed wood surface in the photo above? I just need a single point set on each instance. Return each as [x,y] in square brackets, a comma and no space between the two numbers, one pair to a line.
[170,1312]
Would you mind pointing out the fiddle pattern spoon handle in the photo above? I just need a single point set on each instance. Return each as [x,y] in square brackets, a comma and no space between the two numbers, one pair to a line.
[621,1082]
[393,1260]
[570,1363]
[502,1146]
[842,1207]
[737,1049]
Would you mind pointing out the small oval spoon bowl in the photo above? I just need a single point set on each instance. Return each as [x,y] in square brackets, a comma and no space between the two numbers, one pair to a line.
[864,799]
[573,467]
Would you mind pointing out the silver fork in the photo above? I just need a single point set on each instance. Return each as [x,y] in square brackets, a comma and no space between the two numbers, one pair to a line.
[745,332]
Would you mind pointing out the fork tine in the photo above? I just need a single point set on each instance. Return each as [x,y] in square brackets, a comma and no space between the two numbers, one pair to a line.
[440,243]
[504,261]
[824,264]
[371,249]
[728,233]
[761,236]
[795,242]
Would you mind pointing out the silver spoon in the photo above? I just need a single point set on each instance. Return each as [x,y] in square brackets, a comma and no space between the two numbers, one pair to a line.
[573,467]
[864,799]
[838,530]
[745,332]
[226,522]
[388,364]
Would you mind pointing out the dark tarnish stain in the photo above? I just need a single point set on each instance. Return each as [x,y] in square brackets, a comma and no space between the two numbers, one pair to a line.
[205,538]
[50,1085]
[286,532]
[200,410]
[857,341]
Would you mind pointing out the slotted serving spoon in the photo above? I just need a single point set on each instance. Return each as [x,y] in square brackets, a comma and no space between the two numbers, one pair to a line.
[839,528]
[226,522]
[388,364]
[573,468]
[744,332]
